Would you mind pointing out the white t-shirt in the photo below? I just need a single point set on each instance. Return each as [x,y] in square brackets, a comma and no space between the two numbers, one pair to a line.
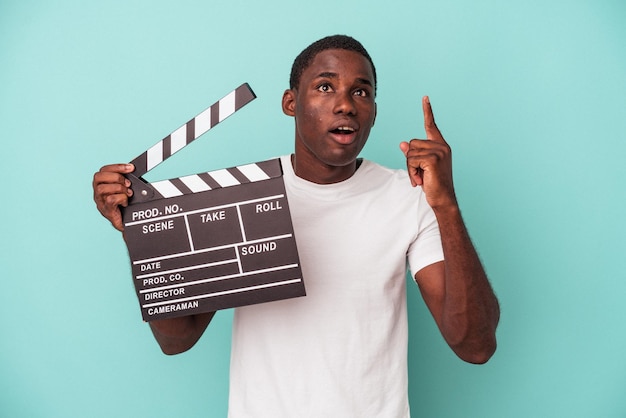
[340,351]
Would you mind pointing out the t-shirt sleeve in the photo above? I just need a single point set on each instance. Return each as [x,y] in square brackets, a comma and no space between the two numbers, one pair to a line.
[426,249]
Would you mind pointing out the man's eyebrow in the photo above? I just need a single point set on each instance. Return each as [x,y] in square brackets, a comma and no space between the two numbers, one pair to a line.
[328,74]
[365,81]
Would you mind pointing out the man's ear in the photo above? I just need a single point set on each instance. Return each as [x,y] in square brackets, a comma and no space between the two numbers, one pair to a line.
[289,102]
[375,113]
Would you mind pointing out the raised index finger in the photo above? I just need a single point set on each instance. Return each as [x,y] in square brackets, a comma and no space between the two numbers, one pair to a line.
[432,132]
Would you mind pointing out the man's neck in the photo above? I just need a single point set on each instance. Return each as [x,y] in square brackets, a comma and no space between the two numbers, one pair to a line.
[324,174]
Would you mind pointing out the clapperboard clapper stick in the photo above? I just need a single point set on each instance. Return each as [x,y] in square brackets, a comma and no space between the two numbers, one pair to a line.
[213,240]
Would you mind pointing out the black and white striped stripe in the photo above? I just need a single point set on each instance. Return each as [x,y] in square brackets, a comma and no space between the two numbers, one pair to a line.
[217,179]
[193,129]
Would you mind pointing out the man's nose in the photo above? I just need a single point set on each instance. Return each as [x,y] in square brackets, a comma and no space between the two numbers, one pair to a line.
[345,104]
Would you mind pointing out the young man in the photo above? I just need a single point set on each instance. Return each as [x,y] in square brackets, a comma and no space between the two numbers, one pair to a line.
[342,350]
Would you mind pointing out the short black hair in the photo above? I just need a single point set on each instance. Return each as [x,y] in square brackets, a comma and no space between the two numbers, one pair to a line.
[304,59]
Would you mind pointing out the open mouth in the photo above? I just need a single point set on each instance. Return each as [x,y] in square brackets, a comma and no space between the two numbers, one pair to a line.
[343,130]
[344,135]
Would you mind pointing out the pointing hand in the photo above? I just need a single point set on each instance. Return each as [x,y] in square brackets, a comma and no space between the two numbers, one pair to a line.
[429,162]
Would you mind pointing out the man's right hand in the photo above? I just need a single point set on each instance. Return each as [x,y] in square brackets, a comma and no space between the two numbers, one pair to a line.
[112,190]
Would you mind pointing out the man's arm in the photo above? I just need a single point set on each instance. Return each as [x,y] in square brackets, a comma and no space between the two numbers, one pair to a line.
[110,191]
[456,290]
[177,335]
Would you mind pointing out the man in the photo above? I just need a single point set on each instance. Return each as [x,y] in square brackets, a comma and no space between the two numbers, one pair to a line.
[341,351]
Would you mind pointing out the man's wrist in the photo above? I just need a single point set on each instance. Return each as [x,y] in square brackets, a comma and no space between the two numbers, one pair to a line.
[447,211]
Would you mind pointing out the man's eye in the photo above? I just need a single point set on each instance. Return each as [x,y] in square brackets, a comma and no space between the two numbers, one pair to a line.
[361,92]
[324,88]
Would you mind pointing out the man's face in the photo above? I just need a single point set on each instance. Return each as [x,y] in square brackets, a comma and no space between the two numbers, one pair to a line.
[334,110]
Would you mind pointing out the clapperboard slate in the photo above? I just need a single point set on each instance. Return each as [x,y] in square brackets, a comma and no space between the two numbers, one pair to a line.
[213,240]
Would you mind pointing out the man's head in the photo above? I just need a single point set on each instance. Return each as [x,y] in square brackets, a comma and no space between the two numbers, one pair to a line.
[334,107]
[304,59]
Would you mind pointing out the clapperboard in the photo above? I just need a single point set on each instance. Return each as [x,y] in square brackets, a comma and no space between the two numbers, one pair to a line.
[213,240]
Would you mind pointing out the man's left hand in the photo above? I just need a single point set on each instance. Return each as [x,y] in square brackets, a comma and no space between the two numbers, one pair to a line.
[429,162]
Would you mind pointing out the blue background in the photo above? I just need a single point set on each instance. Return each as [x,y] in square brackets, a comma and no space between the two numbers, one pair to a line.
[531,96]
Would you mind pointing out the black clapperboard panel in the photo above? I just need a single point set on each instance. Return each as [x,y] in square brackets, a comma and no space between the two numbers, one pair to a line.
[213,240]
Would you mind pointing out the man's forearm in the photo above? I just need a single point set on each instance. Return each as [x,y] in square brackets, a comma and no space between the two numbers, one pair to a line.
[470,308]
